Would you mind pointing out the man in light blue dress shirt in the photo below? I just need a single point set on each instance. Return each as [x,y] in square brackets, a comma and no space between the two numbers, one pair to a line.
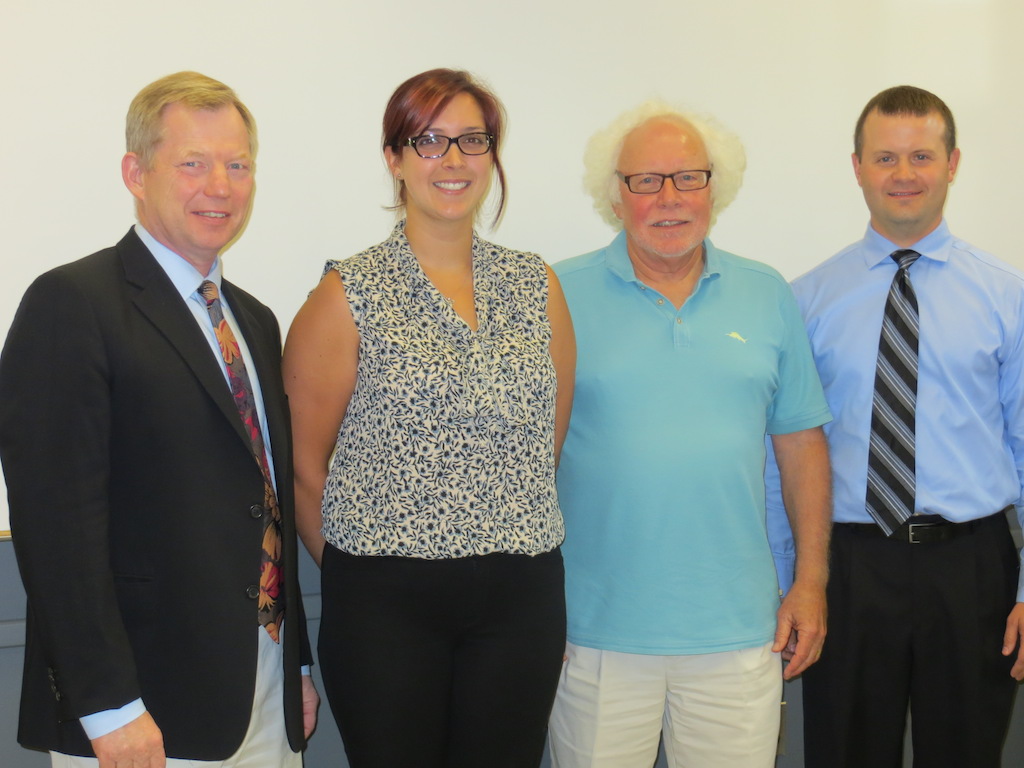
[928,618]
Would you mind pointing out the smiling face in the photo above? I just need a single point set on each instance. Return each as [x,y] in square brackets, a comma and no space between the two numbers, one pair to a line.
[669,225]
[905,172]
[449,188]
[196,193]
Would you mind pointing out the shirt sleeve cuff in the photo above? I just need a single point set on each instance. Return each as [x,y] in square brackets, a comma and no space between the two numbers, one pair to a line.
[306,669]
[101,723]
[109,720]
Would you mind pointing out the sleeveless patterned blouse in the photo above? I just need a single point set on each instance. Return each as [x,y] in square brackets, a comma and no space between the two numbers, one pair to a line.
[447,447]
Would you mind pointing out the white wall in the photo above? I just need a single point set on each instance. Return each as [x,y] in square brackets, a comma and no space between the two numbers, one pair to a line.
[789,77]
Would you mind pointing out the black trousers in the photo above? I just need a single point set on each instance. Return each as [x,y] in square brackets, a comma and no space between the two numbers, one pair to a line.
[442,663]
[918,626]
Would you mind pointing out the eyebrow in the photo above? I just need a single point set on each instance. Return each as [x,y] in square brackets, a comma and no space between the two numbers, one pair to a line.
[204,155]
[467,129]
[918,151]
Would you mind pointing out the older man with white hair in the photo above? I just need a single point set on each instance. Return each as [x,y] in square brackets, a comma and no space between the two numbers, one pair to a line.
[688,357]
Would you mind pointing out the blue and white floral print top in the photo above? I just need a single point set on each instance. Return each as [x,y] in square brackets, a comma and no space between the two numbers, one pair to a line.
[447,447]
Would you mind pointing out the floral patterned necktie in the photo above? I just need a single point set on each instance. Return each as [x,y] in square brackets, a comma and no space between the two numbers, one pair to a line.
[271,597]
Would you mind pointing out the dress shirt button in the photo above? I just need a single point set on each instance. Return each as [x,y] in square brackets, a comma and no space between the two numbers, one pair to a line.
[256,510]
[252,591]
[679,321]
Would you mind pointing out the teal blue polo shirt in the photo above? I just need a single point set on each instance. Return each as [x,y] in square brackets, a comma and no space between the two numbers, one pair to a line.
[661,480]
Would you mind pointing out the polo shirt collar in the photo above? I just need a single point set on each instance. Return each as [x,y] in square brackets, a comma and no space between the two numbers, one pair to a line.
[619,264]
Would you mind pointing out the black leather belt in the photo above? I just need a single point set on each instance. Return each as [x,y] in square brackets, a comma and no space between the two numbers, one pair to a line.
[921,529]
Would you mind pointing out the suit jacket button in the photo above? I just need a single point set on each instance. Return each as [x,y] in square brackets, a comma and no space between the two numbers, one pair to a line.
[252,591]
[256,510]
[51,673]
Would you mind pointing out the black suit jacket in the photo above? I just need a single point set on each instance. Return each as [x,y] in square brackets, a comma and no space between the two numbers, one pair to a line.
[135,504]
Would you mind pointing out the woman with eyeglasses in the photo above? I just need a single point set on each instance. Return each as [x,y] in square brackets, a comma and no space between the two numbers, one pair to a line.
[430,380]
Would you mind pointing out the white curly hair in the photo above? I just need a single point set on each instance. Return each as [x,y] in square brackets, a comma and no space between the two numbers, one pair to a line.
[725,153]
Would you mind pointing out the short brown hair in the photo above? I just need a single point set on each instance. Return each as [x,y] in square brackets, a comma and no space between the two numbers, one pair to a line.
[144,126]
[421,98]
[906,100]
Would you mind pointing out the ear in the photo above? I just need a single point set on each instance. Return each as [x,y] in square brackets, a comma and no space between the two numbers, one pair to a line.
[617,210]
[856,167]
[394,161]
[133,175]
[954,163]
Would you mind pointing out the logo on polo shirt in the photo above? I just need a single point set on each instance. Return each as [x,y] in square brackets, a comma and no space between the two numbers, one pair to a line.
[736,336]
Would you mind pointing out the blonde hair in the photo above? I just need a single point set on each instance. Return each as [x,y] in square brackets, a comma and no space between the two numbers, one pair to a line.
[726,157]
[144,123]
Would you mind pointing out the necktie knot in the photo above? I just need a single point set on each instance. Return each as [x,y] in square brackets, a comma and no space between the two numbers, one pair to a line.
[904,258]
[208,290]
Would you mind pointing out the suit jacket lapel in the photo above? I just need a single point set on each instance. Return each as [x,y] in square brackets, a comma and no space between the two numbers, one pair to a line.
[155,297]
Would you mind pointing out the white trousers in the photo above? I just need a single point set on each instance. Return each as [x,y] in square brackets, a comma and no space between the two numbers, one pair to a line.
[716,710]
[266,742]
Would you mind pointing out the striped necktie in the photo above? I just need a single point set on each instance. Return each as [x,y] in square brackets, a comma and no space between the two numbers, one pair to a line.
[270,608]
[891,483]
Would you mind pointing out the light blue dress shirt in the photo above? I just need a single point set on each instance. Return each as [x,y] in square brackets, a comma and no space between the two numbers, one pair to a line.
[970,400]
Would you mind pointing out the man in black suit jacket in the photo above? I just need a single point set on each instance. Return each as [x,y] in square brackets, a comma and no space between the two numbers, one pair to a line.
[136,500]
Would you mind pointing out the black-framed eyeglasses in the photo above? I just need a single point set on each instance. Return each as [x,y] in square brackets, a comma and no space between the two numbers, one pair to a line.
[431,145]
[651,183]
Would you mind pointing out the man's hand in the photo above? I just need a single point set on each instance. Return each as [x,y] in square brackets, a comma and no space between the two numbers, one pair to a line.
[800,628]
[1014,638]
[310,704]
[806,480]
[136,745]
